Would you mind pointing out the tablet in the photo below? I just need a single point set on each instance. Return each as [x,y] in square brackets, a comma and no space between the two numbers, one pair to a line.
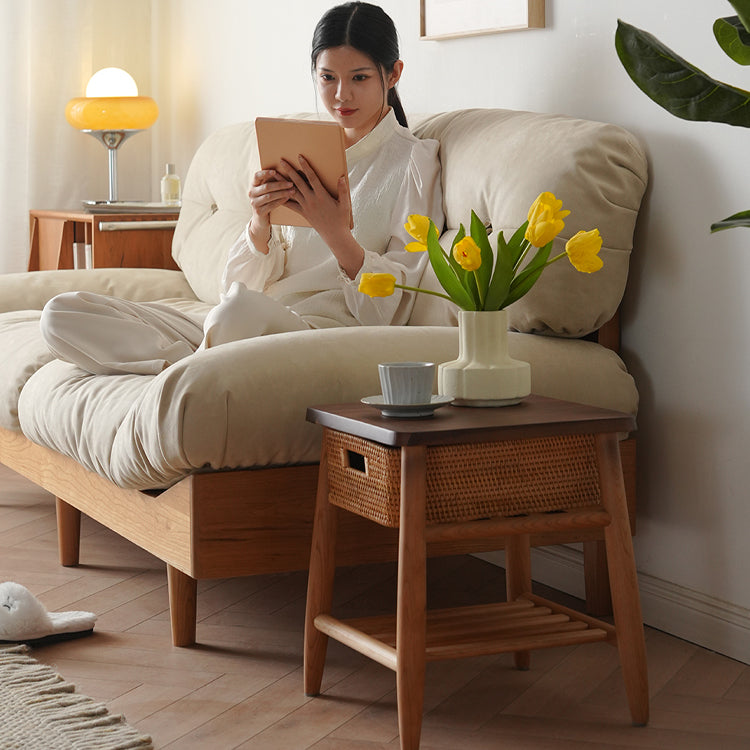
[320,142]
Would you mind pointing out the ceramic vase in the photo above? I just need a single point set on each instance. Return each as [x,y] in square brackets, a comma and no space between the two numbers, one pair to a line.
[484,374]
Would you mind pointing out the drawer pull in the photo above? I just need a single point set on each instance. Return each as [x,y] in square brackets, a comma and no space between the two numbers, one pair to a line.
[356,461]
[125,226]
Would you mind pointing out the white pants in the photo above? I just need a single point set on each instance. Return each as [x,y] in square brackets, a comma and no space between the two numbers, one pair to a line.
[106,335]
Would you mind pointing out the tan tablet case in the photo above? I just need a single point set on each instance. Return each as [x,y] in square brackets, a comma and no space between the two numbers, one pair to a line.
[320,142]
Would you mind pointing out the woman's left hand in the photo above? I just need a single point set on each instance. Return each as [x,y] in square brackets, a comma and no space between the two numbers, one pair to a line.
[329,216]
[313,201]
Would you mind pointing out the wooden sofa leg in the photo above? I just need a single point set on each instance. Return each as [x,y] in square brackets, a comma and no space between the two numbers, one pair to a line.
[68,532]
[596,576]
[183,594]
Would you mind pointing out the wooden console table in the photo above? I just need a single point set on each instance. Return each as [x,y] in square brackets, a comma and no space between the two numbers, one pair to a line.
[91,239]
[541,466]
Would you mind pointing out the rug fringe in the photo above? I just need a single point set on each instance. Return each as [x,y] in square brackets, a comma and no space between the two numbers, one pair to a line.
[71,721]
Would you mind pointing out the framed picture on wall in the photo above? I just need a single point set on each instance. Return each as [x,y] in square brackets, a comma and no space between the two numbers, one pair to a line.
[445,19]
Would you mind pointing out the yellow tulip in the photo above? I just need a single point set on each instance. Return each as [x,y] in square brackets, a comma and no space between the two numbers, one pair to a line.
[545,220]
[467,254]
[377,284]
[418,226]
[583,251]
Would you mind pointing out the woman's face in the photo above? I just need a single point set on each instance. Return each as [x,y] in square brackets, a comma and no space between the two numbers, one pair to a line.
[352,89]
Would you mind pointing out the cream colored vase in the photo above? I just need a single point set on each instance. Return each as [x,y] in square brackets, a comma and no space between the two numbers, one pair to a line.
[484,374]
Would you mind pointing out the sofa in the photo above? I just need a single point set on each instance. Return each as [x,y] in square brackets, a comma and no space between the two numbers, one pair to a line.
[211,465]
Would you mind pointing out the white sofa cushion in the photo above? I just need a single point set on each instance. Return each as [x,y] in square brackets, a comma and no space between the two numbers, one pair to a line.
[496,162]
[243,404]
[24,352]
[30,291]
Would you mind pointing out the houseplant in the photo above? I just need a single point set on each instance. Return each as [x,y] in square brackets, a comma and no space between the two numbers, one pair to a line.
[686,91]
[483,284]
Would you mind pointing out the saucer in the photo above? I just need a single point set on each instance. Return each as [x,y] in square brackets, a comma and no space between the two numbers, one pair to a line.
[408,411]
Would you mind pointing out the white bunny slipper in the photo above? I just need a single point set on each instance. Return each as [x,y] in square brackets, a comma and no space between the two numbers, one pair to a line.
[24,619]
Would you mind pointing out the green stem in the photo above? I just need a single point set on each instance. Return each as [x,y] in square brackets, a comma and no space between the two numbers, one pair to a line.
[526,245]
[423,291]
[551,261]
[479,290]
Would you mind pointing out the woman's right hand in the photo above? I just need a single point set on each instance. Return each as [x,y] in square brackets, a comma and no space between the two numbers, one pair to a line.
[269,189]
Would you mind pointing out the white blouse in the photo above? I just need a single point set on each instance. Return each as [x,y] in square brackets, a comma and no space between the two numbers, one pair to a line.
[391,174]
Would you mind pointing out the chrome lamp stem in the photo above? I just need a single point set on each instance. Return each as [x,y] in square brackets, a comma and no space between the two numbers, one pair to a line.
[112,140]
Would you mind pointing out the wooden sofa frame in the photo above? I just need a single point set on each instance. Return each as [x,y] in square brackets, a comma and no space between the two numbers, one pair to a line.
[224,524]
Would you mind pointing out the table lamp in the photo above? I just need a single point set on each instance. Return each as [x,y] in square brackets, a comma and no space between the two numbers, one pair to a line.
[112,111]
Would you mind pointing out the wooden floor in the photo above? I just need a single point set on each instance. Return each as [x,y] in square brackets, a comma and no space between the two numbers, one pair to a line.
[241,687]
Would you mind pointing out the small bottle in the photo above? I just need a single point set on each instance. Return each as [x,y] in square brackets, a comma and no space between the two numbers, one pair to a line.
[171,190]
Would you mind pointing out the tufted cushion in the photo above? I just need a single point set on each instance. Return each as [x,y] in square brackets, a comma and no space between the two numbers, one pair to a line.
[243,404]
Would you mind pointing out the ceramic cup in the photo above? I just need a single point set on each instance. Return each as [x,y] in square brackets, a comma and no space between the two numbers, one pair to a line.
[407,382]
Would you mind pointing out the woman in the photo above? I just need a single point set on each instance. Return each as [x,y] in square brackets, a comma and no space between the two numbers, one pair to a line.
[294,278]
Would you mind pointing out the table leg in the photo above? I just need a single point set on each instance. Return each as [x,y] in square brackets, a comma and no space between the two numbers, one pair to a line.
[320,581]
[411,608]
[518,580]
[626,604]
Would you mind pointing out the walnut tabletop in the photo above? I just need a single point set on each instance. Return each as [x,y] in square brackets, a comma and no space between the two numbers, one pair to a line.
[535,416]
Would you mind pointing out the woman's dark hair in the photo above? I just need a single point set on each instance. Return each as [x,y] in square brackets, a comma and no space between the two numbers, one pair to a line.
[368,29]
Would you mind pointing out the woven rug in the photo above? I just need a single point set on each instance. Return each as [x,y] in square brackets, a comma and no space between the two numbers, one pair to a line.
[40,711]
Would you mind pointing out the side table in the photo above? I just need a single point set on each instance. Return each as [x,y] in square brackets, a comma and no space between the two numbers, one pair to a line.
[542,466]
[97,239]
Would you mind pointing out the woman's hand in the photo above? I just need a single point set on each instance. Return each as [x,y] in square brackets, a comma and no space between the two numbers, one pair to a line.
[329,216]
[269,189]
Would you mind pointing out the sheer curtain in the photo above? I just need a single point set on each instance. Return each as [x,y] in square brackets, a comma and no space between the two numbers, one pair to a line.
[48,51]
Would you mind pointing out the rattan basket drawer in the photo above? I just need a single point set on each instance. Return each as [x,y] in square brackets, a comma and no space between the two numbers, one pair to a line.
[467,481]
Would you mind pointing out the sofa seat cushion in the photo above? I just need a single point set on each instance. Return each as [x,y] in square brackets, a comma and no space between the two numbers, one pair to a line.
[23,353]
[24,350]
[243,404]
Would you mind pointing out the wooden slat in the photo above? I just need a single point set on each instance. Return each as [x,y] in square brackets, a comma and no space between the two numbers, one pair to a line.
[357,640]
[533,523]
[558,637]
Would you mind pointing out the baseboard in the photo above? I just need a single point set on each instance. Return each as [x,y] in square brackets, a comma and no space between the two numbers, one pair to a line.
[708,622]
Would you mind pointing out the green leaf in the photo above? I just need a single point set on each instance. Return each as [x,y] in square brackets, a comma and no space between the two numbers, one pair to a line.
[742,219]
[529,276]
[445,274]
[676,85]
[742,8]
[484,272]
[501,277]
[733,39]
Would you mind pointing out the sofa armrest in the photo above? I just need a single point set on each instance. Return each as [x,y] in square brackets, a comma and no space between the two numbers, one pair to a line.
[31,290]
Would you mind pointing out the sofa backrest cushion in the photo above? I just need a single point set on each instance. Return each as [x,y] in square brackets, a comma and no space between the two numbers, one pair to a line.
[495,162]
[215,207]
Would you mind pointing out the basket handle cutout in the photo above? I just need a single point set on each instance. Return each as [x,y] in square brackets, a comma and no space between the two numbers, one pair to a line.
[355,461]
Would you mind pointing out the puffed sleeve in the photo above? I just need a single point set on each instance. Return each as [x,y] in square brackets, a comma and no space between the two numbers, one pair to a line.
[421,193]
[254,269]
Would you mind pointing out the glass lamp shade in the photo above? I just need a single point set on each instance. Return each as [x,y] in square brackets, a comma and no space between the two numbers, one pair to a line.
[112,112]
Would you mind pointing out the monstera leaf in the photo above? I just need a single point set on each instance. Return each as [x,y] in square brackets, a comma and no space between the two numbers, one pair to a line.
[683,89]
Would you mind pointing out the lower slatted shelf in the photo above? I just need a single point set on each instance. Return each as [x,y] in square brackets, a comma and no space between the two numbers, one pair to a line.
[525,624]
